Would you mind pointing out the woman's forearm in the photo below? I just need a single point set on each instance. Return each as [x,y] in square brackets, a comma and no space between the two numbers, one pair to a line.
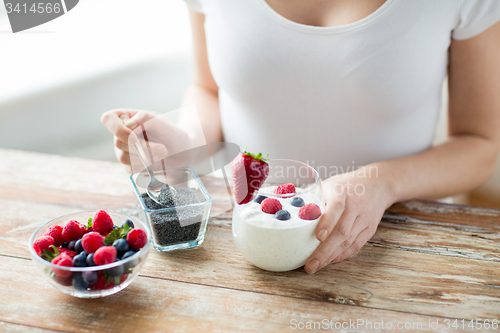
[461,164]
[207,105]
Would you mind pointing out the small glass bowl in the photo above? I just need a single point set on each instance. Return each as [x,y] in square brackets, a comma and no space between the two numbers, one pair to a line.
[62,277]
[179,227]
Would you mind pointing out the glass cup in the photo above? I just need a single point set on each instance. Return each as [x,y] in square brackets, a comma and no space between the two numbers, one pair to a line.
[183,225]
[280,245]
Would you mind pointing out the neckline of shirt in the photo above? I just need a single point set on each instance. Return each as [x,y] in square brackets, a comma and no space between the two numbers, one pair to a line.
[326,30]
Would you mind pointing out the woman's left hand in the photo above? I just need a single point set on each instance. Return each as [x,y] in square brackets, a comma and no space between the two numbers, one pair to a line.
[355,203]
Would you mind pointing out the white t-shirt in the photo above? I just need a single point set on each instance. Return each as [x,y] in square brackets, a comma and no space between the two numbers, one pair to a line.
[335,97]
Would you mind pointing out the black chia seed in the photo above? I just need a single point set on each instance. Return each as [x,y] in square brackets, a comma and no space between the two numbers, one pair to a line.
[176,225]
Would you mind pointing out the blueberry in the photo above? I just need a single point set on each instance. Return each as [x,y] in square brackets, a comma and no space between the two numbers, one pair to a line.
[132,263]
[260,198]
[282,215]
[121,246]
[71,245]
[79,283]
[78,246]
[115,226]
[80,260]
[116,271]
[297,202]
[130,224]
[90,277]
[65,244]
[128,254]
[90,260]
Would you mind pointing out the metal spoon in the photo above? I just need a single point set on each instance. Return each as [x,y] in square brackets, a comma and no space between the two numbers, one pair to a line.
[155,188]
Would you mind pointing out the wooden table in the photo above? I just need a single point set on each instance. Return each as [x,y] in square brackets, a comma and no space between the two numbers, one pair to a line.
[427,263]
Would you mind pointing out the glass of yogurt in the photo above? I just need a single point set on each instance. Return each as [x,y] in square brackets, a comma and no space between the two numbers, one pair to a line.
[281,236]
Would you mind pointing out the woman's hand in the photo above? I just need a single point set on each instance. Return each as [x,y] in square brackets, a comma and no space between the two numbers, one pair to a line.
[355,203]
[163,137]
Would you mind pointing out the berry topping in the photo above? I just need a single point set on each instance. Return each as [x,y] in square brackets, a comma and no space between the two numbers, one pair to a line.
[71,245]
[260,198]
[283,215]
[72,231]
[102,222]
[55,232]
[310,212]
[249,173]
[270,206]
[297,202]
[285,189]
[43,243]
[105,255]
[92,241]
[137,238]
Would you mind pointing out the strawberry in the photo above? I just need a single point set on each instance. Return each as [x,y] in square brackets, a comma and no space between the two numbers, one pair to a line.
[72,230]
[62,260]
[43,243]
[69,253]
[102,222]
[271,206]
[310,212]
[55,232]
[249,173]
[285,189]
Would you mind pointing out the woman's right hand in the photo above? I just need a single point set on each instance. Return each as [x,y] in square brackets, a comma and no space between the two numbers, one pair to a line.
[127,125]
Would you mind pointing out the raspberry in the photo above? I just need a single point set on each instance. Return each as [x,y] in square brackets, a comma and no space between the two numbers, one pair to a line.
[62,260]
[137,238]
[92,241]
[271,206]
[102,222]
[310,212]
[105,255]
[55,232]
[72,230]
[42,243]
[285,189]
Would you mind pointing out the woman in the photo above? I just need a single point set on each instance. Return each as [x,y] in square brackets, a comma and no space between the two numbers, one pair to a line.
[343,83]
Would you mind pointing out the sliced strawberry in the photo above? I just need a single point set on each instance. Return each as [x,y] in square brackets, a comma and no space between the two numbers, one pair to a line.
[249,173]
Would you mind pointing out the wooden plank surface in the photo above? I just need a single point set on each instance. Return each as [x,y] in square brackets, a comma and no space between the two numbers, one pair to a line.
[427,261]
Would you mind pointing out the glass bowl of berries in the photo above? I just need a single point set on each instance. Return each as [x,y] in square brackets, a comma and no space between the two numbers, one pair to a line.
[90,254]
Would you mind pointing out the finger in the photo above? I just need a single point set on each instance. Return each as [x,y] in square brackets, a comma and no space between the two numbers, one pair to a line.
[339,234]
[358,227]
[123,157]
[358,243]
[111,120]
[139,119]
[333,211]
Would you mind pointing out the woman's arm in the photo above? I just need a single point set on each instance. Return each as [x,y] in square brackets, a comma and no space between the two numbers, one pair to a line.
[464,162]
[203,91]
[166,138]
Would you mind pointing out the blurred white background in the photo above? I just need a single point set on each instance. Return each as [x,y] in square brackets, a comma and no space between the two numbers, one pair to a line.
[57,79]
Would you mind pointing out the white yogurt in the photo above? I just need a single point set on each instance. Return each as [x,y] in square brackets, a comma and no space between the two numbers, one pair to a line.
[272,244]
